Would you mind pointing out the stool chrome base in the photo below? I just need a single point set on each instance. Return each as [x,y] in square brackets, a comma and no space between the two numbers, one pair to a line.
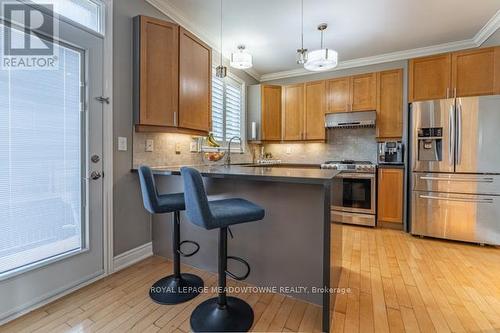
[236,316]
[172,290]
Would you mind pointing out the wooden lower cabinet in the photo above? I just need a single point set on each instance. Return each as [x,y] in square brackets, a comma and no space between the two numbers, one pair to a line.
[390,195]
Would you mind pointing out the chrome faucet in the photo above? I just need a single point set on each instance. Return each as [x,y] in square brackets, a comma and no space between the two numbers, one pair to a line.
[228,158]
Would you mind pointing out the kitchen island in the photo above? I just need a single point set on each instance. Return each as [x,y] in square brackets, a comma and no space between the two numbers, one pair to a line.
[294,250]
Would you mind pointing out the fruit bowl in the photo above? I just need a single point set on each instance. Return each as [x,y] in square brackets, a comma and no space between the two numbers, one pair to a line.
[214,156]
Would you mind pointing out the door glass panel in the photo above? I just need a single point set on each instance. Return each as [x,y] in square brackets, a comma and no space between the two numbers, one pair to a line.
[42,145]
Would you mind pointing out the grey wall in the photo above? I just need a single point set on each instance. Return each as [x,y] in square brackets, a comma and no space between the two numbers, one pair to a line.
[132,225]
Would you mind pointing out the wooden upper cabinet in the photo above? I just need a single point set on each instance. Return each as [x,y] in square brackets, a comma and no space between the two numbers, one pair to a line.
[271,112]
[363,92]
[293,112]
[315,107]
[476,72]
[390,195]
[156,87]
[429,78]
[195,77]
[338,95]
[390,104]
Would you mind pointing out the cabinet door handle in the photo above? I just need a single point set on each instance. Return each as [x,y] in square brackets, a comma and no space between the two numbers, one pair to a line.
[447,92]
[175,118]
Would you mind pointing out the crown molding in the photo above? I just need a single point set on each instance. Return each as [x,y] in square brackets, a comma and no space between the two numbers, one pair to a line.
[488,29]
[481,36]
[378,59]
[176,15]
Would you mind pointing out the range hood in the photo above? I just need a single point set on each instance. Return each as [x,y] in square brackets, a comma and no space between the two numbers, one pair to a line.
[351,119]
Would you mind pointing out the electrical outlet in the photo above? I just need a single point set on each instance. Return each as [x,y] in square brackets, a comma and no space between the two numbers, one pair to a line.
[178,148]
[149,145]
[193,147]
[122,143]
[288,150]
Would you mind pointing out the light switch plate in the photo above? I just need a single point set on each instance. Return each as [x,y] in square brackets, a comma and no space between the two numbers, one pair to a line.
[122,143]
[149,145]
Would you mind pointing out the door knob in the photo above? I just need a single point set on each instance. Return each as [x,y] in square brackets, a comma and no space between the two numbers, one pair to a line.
[95,175]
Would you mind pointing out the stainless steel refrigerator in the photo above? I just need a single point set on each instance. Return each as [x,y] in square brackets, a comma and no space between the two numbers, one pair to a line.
[455,163]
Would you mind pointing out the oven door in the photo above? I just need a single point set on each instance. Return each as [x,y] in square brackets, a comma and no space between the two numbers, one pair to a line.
[354,192]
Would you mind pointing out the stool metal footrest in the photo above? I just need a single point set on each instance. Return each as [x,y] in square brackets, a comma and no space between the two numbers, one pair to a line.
[191,253]
[234,276]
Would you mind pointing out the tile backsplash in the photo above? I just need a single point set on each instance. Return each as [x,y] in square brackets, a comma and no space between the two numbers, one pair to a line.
[352,143]
[342,144]
[164,151]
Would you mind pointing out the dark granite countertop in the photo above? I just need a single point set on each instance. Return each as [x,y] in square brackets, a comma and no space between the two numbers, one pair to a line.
[293,173]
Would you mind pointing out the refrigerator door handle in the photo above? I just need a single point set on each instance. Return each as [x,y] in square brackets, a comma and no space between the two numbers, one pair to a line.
[451,135]
[469,180]
[430,197]
[459,132]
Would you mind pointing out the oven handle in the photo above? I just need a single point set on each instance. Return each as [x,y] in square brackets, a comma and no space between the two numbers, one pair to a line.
[356,175]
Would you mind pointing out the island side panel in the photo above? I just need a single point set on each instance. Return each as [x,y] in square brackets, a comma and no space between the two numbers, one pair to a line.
[285,249]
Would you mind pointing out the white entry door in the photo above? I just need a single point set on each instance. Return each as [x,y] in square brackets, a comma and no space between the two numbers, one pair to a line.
[51,188]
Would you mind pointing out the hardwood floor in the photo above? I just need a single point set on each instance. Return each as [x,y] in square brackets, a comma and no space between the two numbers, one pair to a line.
[397,283]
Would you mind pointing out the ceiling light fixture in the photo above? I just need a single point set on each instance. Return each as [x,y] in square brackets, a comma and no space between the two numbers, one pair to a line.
[221,70]
[322,59]
[302,52]
[241,59]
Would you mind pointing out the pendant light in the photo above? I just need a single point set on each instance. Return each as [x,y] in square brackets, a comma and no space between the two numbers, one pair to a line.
[322,59]
[241,59]
[302,52]
[221,70]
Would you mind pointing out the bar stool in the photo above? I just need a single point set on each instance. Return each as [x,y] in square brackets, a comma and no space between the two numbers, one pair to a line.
[175,288]
[222,313]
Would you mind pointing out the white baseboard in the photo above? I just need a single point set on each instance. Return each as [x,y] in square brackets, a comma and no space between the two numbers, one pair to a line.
[132,256]
[49,298]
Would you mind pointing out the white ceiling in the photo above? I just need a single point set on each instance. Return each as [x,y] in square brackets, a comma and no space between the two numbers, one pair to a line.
[270,29]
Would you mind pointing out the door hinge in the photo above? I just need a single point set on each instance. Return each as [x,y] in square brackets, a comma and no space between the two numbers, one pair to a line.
[102,99]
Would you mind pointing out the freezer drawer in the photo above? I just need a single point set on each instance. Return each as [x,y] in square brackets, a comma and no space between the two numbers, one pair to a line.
[456,183]
[464,217]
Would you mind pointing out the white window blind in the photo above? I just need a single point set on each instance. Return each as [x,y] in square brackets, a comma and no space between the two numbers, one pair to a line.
[41,212]
[226,108]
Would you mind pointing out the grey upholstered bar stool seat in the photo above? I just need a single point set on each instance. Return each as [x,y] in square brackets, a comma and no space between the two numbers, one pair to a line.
[175,288]
[222,313]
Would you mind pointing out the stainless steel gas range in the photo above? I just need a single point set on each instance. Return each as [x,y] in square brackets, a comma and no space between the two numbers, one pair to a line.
[354,192]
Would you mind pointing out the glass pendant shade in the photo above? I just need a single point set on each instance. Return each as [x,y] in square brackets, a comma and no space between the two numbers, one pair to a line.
[221,71]
[321,60]
[301,56]
[241,59]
